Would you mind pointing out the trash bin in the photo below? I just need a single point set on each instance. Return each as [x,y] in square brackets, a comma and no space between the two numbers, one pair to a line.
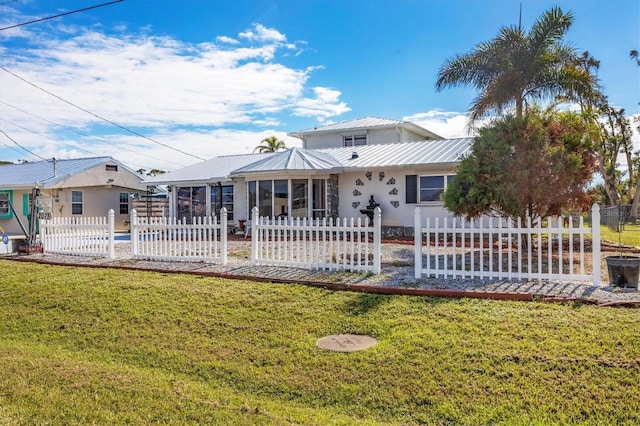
[623,270]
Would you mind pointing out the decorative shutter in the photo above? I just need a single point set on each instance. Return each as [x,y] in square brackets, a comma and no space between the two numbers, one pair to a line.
[411,189]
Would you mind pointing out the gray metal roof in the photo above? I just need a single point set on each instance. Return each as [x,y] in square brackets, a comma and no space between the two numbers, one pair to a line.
[431,152]
[46,173]
[402,154]
[294,159]
[366,123]
[214,170]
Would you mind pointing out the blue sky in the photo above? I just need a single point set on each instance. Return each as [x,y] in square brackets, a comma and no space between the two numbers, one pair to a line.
[204,78]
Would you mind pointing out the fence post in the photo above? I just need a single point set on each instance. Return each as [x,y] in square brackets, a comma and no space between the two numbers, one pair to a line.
[134,232]
[254,235]
[111,237]
[377,240]
[595,243]
[223,235]
[417,242]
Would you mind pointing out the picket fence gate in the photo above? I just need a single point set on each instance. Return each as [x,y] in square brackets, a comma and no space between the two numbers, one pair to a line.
[503,249]
[350,245]
[79,236]
[171,239]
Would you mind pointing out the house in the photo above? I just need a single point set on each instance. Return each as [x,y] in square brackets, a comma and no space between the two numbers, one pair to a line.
[336,173]
[78,187]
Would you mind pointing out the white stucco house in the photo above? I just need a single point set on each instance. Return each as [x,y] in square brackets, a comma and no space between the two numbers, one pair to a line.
[336,172]
[83,187]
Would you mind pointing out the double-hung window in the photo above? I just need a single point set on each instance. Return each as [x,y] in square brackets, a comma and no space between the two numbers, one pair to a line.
[76,202]
[124,203]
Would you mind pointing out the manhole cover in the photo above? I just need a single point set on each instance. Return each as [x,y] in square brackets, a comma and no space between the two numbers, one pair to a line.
[346,342]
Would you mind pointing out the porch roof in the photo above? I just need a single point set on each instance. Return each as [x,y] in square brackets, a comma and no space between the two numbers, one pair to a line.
[294,159]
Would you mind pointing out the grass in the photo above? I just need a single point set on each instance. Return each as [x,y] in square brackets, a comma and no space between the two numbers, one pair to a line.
[630,236]
[103,346]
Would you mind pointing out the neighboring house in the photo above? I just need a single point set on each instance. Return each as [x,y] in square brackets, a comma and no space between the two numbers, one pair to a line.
[340,167]
[78,187]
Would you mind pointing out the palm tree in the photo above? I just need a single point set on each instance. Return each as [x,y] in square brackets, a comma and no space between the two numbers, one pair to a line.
[516,67]
[270,144]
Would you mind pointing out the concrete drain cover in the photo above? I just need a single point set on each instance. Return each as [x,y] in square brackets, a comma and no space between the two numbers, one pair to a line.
[346,342]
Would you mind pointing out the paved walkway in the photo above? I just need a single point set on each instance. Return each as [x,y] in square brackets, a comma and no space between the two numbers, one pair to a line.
[397,276]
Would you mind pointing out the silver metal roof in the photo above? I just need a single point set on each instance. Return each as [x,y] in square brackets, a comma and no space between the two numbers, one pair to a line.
[402,154]
[47,173]
[214,170]
[334,160]
[294,159]
[366,123]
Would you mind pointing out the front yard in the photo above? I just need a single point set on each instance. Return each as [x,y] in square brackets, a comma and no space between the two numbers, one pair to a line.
[83,346]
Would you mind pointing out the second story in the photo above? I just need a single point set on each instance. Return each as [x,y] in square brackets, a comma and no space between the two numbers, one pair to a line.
[362,131]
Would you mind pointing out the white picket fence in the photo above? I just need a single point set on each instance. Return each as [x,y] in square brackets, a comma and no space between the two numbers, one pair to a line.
[350,245]
[502,249]
[80,236]
[170,239]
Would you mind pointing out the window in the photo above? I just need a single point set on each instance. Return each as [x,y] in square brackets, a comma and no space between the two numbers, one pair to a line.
[192,202]
[111,168]
[281,198]
[299,198]
[124,203]
[432,187]
[222,196]
[425,189]
[76,202]
[354,140]
[319,198]
[5,210]
[275,197]
[265,198]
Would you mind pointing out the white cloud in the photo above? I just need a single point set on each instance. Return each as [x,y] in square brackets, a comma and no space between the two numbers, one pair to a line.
[446,124]
[190,96]
[263,34]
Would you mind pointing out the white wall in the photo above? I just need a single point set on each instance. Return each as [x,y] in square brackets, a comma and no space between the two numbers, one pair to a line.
[383,193]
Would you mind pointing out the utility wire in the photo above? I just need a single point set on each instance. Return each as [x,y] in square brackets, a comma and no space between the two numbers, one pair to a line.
[71,129]
[59,15]
[99,117]
[30,152]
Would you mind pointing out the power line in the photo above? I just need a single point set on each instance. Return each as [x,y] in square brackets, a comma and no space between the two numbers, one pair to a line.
[59,15]
[100,117]
[79,133]
[30,152]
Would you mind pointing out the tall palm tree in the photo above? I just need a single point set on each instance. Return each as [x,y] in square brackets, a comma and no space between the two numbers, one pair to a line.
[270,144]
[516,67]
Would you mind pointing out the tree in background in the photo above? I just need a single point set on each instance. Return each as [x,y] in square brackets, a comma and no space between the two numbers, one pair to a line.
[152,172]
[517,67]
[270,144]
[537,165]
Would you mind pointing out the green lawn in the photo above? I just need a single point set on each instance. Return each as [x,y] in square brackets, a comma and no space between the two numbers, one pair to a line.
[630,236]
[102,346]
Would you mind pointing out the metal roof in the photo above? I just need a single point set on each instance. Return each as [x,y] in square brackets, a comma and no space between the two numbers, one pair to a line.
[294,159]
[402,154]
[214,170]
[431,152]
[366,123]
[47,173]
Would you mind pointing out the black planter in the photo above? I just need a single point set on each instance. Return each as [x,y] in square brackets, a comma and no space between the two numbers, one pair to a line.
[623,270]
